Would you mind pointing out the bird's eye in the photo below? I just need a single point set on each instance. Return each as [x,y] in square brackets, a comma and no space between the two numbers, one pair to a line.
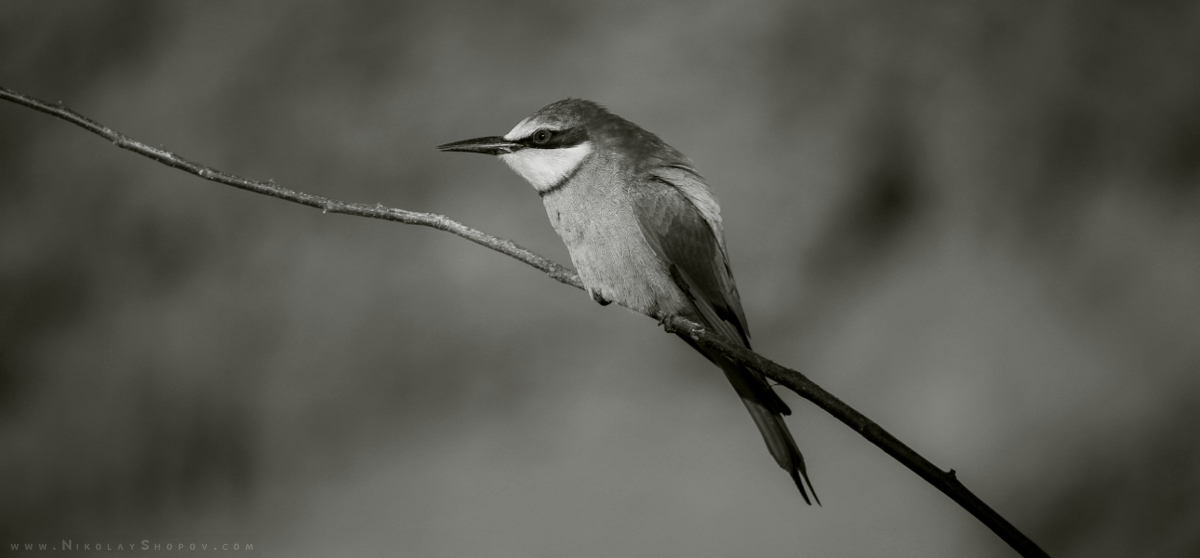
[540,137]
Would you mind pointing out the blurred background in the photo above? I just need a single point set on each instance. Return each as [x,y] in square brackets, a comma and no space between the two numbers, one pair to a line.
[978,223]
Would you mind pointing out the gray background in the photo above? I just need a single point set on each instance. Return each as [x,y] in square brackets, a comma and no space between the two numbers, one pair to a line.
[974,221]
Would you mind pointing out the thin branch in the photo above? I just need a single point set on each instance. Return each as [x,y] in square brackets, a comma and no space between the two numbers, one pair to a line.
[945,481]
[270,188]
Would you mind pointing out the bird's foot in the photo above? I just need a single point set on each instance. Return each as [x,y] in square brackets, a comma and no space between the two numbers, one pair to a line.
[596,296]
[664,321]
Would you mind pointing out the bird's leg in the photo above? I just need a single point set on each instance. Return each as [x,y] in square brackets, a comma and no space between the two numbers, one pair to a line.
[664,321]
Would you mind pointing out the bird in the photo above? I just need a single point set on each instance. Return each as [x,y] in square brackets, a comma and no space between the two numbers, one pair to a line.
[644,230]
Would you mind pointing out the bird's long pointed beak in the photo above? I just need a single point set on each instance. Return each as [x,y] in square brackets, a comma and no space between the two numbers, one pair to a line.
[492,145]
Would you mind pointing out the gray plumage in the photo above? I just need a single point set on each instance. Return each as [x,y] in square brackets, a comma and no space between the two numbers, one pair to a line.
[644,230]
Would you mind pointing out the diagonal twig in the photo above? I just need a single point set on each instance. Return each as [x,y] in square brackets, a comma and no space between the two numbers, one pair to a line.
[945,481]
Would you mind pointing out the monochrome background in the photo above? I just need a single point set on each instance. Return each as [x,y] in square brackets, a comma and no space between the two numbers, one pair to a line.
[978,223]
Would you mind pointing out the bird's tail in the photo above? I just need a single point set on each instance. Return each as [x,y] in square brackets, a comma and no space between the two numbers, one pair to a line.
[768,411]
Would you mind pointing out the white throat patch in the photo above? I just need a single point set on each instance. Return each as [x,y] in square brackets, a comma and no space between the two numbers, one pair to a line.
[546,168]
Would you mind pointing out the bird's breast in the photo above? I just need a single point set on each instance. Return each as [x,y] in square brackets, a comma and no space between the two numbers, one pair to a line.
[595,217]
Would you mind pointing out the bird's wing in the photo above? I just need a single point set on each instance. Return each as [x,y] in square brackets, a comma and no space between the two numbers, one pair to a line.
[681,222]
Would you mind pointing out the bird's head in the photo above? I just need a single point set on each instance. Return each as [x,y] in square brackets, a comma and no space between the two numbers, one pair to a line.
[546,147]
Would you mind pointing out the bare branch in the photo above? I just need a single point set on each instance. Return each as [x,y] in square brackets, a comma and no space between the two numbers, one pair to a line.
[945,481]
[326,205]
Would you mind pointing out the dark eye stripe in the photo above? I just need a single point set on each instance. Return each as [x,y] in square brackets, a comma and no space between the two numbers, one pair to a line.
[558,138]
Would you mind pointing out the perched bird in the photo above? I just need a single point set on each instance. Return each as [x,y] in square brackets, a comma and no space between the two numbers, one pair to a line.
[644,231]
